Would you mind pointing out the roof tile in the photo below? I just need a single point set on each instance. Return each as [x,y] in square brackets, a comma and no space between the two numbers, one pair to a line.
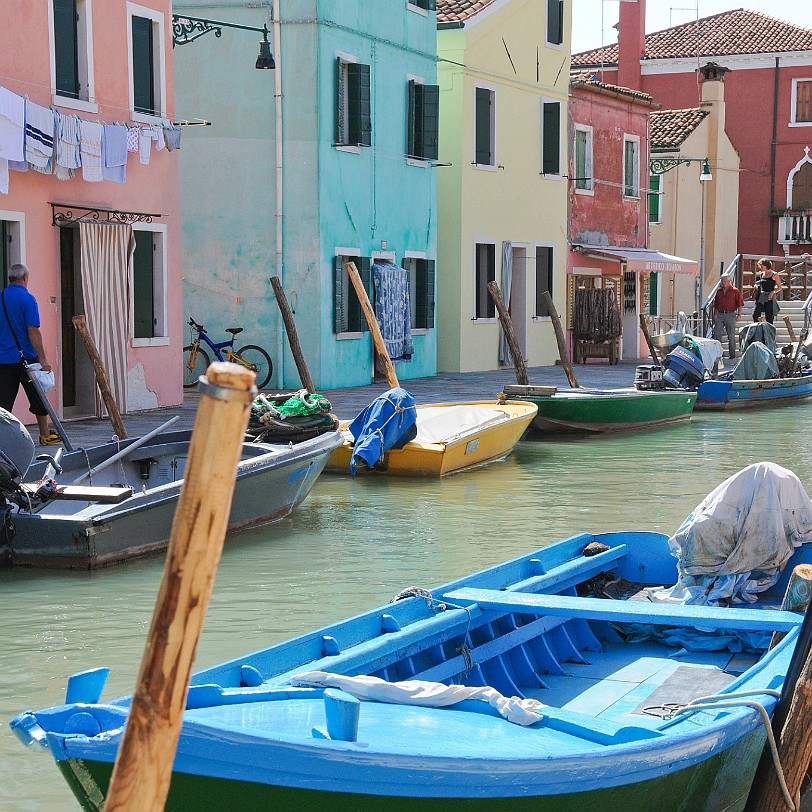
[450,11]
[670,128]
[586,79]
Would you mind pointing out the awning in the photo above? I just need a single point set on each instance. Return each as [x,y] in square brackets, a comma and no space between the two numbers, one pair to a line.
[642,260]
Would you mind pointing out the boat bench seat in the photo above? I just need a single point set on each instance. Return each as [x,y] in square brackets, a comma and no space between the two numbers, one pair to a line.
[767,620]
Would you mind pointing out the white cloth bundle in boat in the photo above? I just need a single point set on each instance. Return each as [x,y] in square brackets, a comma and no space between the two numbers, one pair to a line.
[424,693]
[442,424]
[737,540]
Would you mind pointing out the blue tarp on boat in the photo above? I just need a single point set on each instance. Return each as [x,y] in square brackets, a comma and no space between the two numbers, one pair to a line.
[381,425]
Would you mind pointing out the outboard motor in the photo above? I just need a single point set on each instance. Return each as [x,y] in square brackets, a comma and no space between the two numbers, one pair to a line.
[16,453]
[683,370]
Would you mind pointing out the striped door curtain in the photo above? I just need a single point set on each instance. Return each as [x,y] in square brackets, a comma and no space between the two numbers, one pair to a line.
[107,256]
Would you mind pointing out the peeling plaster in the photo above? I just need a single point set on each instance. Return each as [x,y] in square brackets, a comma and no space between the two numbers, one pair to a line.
[139,396]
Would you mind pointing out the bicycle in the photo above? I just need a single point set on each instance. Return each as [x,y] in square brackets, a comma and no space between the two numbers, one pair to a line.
[196,360]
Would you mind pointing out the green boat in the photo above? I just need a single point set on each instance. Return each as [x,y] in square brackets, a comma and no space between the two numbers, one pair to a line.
[594,411]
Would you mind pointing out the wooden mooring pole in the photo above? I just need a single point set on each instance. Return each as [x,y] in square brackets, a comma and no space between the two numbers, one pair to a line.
[651,349]
[293,335]
[559,337]
[507,325]
[143,768]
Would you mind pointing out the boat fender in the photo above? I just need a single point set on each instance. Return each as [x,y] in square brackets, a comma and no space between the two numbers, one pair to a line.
[250,677]
[329,647]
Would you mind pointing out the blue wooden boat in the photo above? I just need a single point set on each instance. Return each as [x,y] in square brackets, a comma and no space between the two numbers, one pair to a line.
[615,731]
[720,393]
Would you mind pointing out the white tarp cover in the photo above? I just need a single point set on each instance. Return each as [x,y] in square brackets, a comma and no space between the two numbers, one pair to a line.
[738,539]
[710,351]
[442,424]
[425,694]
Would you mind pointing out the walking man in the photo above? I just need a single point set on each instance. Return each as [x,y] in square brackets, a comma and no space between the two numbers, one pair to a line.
[20,336]
[728,303]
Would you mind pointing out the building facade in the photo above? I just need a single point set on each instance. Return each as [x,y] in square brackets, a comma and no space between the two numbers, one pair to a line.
[502,186]
[329,158]
[99,230]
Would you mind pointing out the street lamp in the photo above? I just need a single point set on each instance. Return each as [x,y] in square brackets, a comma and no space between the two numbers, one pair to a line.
[188,29]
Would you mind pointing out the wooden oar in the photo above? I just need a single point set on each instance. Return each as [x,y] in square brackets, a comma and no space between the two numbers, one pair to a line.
[559,337]
[293,335]
[372,321]
[143,768]
[507,326]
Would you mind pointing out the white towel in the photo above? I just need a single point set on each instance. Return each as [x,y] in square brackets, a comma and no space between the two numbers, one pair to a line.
[3,176]
[12,126]
[68,138]
[91,148]
[160,141]
[145,144]
[39,134]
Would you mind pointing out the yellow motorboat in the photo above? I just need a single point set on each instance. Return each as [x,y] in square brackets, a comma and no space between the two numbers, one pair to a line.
[451,437]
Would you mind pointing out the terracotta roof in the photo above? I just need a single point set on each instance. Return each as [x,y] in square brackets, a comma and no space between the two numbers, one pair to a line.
[451,11]
[588,81]
[732,32]
[669,128]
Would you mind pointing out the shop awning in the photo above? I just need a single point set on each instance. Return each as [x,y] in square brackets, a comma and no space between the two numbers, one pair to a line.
[642,260]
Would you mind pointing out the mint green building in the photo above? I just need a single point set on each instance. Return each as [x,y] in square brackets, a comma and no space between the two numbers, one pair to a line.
[329,157]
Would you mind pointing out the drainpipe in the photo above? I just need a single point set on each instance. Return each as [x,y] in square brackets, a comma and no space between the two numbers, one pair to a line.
[772,156]
[280,269]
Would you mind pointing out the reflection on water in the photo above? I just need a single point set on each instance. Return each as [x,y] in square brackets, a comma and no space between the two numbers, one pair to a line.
[352,546]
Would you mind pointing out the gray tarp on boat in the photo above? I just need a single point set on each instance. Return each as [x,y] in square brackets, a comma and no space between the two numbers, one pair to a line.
[761,331]
[757,364]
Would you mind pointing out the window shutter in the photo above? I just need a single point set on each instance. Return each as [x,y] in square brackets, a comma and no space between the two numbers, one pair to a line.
[803,101]
[428,296]
[555,21]
[364,265]
[544,277]
[143,66]
[66,48]
[340,111]
[431,122]
[143,285]
[483,126]
[338,295]
[551,137]
[411,118]
[654,198]
[359,113]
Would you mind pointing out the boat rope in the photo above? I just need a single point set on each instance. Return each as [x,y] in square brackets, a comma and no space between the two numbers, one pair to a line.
[399,410]
[89,466]
[737,699]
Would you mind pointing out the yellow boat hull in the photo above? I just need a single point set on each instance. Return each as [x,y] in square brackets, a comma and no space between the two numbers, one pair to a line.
[470,449]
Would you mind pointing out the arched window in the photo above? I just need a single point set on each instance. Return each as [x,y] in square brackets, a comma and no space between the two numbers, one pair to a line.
[802,187]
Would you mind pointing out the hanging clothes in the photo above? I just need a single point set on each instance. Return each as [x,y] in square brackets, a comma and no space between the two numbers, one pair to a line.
[12,126]
[393,309]
[68,153]
[160,140]
[39,136]
[145,137]
[133,136]
[114,151]
[172,136]
[91,150]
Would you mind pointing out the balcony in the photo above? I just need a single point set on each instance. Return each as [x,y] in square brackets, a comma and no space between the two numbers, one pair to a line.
[794,226]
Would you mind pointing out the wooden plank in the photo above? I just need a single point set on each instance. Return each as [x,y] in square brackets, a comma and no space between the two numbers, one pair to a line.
[85,493]
[531,390]
[661,614]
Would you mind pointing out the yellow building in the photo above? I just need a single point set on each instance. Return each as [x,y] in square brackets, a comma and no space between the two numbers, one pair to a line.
[503,73]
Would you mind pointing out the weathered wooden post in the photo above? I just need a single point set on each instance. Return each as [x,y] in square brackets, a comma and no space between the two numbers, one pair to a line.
[651,349]
[293,335]
[790,329]
[507,325]
[143,768]
[102,381]
[559,337]
[372,321]
[797,596]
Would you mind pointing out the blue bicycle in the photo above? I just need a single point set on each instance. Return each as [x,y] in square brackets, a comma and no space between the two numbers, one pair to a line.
[196,360]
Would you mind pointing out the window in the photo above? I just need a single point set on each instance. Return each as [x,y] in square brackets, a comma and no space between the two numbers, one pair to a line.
[544,278]
[147,63]
[72,42]
[149,286]
[421,291]
[551,138]
[631,166]
[801,101]
[555,22]
[422,120]
[484,126]
[10,246]
[655,192]
[353,109]
[583,160]
[485,272]
[348,317]
[426,5]
[802,188]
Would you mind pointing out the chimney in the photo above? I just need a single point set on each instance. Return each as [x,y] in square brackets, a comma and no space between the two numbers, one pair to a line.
[631,42]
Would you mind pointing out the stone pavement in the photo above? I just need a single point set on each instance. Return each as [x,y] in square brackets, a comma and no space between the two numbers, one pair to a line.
[348,402]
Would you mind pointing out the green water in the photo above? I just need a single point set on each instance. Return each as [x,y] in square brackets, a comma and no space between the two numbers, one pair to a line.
[352,546]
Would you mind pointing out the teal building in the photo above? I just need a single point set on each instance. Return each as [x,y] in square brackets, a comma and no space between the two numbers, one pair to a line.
[329,157]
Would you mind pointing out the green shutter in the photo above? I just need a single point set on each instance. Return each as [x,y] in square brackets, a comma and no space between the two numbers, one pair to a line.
[340,111]
[654,198]
[411,118]
[66,48]
[551,138]
[143,66]
[431,121]
[338,295]
[555,21]
[364,265]
[483,127]
[359,112]
[428,297]
[652,293]
[143,285]
[544,277]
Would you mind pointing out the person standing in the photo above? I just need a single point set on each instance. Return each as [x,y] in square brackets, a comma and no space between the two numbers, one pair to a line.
[20,334]
[728,303]
[766,289]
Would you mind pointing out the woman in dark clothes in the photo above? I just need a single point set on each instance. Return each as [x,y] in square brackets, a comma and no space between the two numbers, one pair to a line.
[765,290]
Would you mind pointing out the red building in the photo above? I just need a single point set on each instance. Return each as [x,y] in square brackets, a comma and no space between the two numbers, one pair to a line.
[768,92]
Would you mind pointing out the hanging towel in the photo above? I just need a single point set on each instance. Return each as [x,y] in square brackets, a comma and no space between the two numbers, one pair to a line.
[3,176]
[393,310]
[91,148]
[172,137]
[18,166]
[133,134]
[160,141]
[67,145]
[39,135]
[114,150]
[145,144]
[12,126]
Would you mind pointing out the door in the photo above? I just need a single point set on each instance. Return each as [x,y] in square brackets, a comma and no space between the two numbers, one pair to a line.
[631,322]
[518,297]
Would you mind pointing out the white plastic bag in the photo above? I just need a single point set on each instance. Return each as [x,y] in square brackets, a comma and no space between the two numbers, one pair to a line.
[45,379]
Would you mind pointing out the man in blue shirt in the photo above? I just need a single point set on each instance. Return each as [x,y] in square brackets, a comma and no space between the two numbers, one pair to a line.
[20,333]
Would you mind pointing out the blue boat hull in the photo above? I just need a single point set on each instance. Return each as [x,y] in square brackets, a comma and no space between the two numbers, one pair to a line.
[721,394]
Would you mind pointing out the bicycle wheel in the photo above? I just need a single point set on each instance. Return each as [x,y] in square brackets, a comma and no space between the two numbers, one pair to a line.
[256,359]
[195,364]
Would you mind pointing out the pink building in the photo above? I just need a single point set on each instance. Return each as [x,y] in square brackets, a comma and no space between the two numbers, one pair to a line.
[768,92]
[106,248]
[608,202]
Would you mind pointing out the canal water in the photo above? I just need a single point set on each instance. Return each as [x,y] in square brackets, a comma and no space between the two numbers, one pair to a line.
[355,544]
